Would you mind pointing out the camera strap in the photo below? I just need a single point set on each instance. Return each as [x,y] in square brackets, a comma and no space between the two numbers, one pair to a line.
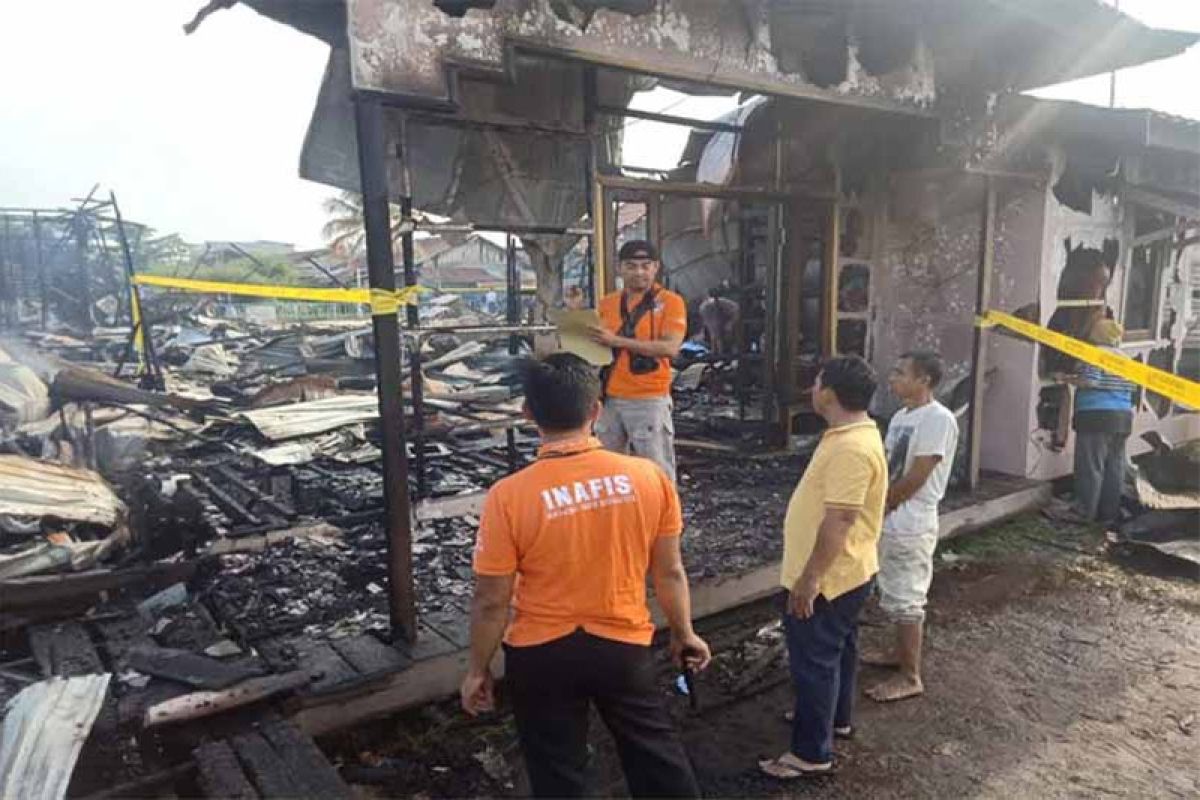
[628,329]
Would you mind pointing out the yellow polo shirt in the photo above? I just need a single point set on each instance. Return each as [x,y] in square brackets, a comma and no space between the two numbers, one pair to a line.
[848,470]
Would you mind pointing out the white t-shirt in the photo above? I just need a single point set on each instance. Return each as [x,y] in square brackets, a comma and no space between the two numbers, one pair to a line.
[930,430]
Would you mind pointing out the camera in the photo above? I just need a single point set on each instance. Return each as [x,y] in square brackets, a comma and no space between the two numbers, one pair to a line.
[642,365]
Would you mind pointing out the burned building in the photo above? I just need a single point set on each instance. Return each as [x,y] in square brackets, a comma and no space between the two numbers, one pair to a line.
[878,183]
[879,162]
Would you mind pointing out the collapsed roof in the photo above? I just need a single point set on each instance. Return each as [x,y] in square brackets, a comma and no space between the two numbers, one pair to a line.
[465,69]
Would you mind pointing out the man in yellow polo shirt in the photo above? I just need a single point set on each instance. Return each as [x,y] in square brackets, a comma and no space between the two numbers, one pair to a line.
[831,535]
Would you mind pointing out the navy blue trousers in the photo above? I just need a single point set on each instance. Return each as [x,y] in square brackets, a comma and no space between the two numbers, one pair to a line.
[823,657]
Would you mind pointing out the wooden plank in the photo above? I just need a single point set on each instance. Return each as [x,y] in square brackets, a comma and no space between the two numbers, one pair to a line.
[263,766]
[430,644]
[454,625]
[134,703]
[52,590]
[370,656]
[194,669]
[149,785]
[205,703]
[312,773]
[64,649]
[117,636]
[830,273]
[431,679]
[317,658]
[221,774]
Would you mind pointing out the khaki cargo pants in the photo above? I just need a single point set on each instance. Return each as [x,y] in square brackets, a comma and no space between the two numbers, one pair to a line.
[641,428]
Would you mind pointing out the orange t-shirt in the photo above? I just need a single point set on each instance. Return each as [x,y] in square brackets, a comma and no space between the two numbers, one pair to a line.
[577,527]
[669,316]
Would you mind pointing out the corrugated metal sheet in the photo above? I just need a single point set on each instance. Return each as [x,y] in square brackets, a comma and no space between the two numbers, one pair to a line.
[45,727]
[305,419]
[30,488]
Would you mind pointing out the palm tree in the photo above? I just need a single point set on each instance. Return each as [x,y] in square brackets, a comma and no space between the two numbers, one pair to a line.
[344,231]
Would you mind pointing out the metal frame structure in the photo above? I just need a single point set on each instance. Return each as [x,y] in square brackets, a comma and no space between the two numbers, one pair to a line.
[58,259]
[601,179]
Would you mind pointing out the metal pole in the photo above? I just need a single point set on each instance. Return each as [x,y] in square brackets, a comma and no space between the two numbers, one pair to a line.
[41,267]
[334,279]
[412,315]
[983,299]
[512,279]
[413,320]
[381,268]
[7,296]
[138,322]
[81,237]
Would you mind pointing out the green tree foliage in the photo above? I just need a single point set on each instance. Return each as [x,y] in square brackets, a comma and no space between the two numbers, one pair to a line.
[344,232]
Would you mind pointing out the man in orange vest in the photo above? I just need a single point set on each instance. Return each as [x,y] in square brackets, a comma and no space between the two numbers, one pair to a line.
[644,324]
[568,542]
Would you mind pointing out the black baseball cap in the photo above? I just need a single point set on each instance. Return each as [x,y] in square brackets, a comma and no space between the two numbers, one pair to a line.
[637,248]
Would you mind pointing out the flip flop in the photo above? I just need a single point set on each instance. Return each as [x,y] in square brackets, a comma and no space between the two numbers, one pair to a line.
[788,768]
[904,693]
[844,732]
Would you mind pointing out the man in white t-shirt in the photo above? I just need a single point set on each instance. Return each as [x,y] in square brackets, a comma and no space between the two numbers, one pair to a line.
[921,442]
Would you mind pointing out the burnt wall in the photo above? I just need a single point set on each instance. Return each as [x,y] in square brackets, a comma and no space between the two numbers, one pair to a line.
[926,280]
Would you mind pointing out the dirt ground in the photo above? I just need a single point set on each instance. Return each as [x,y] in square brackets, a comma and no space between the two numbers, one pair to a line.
[1053,669]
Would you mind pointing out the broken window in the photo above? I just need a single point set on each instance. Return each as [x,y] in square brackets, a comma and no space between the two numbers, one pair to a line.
[852,337]
[854,288]
[1141,287]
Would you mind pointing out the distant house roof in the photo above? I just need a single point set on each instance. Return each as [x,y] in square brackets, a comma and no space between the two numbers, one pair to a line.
[466,276]
[429,247]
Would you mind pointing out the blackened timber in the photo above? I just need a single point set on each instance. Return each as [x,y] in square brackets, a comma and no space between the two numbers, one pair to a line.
[229,474]
[381,274]
[220,773]
[64,649]
[670,119]
[263,765]
[226,501]
[184,666]
[370,656]
[307,765]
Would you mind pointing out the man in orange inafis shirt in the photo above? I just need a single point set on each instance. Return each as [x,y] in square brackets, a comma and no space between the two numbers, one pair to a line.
[568,543]
[645,325]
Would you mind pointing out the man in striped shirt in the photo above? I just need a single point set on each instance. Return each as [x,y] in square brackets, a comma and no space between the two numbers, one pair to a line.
[1103,422]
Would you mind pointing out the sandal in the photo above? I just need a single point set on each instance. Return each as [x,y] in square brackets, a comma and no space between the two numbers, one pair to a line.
[788,767]
[898,688]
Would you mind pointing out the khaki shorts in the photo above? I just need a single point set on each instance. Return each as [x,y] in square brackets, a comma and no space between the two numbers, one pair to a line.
[640,428]
[905,573]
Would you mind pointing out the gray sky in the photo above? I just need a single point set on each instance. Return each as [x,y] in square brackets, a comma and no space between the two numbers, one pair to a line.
[201,134]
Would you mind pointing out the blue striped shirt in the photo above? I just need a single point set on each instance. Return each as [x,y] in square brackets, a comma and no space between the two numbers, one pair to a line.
[1103,391]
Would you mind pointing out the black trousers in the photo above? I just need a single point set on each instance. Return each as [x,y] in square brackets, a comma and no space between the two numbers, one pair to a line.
[551,686]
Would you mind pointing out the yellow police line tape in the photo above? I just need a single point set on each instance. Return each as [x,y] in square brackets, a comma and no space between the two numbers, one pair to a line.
[381,301]
[1177,388]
